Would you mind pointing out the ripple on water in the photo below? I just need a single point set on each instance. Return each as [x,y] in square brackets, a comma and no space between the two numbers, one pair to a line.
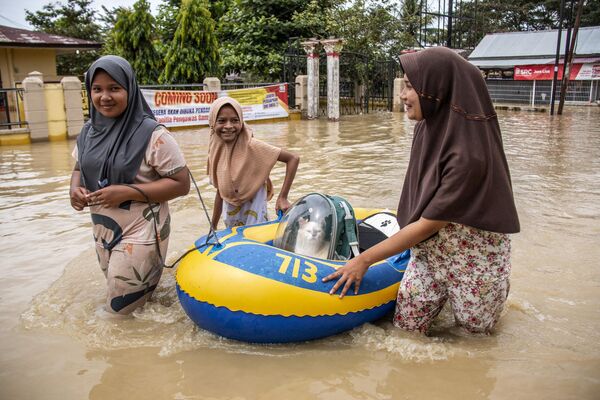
[72,306]
[408,346]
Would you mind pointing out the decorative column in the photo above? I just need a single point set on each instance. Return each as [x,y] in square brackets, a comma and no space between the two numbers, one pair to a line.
[311,47]
[333,47]
[34,102]
[73,105]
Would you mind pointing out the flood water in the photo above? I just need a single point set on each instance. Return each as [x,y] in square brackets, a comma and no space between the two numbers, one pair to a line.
[54,344]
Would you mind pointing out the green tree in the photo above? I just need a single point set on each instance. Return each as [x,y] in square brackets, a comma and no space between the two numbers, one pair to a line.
[318,19]
[410,22]
[254,35]
[108,19]
[487,16]
[193,53]
[133,39]
[591,13]
[379,28]
[167,21]
[74,19]
[218,8]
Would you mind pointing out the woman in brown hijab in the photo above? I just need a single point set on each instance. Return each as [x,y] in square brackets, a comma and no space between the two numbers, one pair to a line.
[239,166]
[456,208]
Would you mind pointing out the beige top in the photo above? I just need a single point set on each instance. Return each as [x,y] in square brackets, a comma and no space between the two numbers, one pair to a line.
[134,225]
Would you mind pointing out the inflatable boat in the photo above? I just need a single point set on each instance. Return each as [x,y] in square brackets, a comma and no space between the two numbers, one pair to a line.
[237,284]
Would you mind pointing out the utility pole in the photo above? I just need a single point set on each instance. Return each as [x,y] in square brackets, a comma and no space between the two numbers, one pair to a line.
[569,25]
[449,38]
[553,90]
[569,59]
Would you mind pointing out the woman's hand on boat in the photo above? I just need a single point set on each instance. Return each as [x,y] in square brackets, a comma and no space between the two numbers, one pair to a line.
[78,197]
[282,204]
[349,274]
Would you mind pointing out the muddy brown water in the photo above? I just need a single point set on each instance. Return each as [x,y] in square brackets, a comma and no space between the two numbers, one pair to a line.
[54,344]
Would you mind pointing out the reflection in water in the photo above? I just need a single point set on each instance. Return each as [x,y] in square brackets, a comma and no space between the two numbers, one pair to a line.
[52,287]
[318,372]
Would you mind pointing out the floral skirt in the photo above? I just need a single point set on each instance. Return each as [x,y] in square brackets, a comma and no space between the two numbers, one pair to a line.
[468,267]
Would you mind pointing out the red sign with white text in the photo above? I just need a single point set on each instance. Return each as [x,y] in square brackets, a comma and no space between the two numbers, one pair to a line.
[546,72]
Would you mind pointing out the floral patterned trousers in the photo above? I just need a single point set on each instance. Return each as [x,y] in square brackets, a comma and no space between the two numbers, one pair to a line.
[132,273]
[467,266]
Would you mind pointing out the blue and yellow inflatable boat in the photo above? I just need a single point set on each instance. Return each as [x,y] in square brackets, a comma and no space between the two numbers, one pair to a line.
[247,289]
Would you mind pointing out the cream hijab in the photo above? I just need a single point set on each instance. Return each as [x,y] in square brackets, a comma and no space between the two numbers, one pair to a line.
[238,169]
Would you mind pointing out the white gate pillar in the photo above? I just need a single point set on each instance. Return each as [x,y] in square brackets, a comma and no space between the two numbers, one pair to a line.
[333,47]
[34,103]
[311,47]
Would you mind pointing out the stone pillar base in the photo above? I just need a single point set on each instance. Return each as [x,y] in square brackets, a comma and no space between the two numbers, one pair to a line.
[73,105]
[398,104]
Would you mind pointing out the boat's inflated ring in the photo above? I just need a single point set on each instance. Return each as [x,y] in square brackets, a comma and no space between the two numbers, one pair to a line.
[248,290]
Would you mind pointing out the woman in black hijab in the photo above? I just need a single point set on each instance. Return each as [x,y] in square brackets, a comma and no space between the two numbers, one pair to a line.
[127,168]
[456,209]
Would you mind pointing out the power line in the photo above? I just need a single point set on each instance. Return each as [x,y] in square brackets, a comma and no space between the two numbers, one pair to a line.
[14,22]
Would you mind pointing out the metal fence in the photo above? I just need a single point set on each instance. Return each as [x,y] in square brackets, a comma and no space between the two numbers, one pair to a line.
[201,86]
[11,108]
[536,93]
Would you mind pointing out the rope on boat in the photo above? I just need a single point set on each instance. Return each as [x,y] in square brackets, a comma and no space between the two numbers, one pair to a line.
[211,233]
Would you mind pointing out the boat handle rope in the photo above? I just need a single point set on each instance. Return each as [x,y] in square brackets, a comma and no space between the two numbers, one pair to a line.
[211,233]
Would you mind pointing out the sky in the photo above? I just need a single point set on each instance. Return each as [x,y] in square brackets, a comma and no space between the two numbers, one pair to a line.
[12,12]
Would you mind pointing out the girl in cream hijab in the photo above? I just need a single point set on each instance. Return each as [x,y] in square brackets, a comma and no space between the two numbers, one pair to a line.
[239,166]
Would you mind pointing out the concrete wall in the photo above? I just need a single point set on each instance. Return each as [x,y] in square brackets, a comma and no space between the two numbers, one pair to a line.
[6,70]
[26,60]
[7,78]
[53,111]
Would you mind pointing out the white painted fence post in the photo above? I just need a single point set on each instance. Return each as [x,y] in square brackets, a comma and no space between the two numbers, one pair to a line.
[73,105]
[34,102]
[333,47]
[212,84]
[301,84]
[398,104]
[311,47]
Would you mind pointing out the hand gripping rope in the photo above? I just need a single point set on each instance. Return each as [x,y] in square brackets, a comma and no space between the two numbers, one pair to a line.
[211,233]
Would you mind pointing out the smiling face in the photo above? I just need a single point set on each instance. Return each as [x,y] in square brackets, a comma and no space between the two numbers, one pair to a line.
[410,97]
[228,124]
[108,97]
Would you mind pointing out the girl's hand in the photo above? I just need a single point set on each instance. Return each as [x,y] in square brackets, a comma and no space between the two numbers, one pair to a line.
[78,197]
[282,204]
[110,196]
[351,273]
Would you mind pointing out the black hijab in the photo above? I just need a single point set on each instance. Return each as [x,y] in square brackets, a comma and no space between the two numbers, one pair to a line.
[111,150]
[457,170]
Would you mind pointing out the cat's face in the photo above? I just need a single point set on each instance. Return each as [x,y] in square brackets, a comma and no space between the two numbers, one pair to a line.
[311,230]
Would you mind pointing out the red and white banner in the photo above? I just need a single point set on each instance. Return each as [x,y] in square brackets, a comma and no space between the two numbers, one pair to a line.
[191,107]
[546,72]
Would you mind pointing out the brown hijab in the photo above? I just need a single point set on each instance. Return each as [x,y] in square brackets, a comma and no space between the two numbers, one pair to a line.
[457,170]
[238,169]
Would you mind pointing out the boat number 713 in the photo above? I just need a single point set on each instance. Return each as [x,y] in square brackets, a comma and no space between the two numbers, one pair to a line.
[309,270]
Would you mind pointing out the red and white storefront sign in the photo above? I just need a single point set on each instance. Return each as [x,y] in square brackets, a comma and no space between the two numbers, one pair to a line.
[546,72]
